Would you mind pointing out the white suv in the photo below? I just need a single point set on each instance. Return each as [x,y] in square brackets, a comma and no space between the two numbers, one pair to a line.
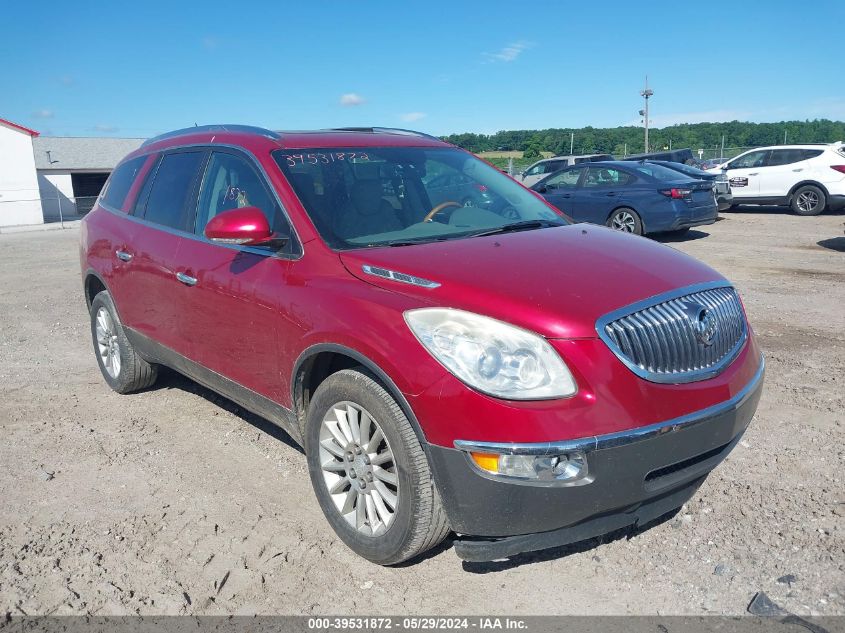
[808,178]
[543,168]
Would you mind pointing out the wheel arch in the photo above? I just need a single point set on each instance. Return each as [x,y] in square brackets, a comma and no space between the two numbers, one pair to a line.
[629,208]
[318,362]
[804,183]
[93,284]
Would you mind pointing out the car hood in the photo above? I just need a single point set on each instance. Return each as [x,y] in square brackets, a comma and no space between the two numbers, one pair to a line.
[554,281]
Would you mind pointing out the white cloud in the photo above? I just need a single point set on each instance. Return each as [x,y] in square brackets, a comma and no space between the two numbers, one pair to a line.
[509,53]
[43,113]
[351,99]
[410,117]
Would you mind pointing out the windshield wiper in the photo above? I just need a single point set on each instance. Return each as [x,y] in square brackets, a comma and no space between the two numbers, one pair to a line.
[427,239]
[524,225]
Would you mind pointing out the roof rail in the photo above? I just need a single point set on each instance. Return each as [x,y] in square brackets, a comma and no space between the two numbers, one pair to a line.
[385,130]
[244,129]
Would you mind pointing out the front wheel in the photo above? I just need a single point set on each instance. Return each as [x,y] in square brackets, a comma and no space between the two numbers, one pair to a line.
[626,220]
[369,472]
[808,200]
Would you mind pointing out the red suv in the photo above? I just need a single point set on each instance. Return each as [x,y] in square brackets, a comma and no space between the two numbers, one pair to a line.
[491,370]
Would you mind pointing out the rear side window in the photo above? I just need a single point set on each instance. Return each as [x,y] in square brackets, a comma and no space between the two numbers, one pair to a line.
[792,155]
[120,182]
[171,189]
[607,177]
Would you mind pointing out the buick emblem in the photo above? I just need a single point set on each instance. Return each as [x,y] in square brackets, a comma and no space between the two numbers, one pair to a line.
[703,321]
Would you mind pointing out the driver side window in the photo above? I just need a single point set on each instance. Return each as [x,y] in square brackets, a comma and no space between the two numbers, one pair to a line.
[750,160]
[232,183]
[565,180]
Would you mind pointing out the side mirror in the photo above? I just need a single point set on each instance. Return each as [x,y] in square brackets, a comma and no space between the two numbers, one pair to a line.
[246,226]
[541,189]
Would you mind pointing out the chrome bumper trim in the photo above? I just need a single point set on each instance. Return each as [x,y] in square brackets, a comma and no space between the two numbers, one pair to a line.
[621,438]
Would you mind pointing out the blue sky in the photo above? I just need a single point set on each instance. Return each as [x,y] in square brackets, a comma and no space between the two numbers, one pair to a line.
[136,69]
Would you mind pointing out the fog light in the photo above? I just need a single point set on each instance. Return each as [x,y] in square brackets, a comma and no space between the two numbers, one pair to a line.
[566,468]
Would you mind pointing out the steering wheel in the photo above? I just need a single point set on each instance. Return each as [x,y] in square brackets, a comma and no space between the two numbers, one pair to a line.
[439,208]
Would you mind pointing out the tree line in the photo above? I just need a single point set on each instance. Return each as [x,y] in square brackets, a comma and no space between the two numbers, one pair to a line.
[629,139]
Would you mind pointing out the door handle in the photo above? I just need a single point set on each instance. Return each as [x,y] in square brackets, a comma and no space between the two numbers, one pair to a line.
[123,256]
[186,279]
[755,174]
[799,169]
[611,193]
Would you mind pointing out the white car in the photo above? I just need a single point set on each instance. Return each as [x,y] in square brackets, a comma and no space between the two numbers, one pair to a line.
[543,168]
[808,178]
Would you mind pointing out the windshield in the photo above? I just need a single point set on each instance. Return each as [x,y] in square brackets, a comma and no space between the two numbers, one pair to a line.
[377,196]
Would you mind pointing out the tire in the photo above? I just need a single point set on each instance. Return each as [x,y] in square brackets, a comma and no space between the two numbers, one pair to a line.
[808,200]
[123,369]
[627,220]
[418,521]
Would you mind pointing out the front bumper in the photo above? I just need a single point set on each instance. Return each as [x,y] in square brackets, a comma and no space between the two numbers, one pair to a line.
[633,475]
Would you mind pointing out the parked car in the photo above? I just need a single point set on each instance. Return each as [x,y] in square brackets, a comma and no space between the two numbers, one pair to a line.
[542,168]
[710,163]
[526,383]
[721,186]
[807,178]
[633,197]
[674,155]
[456,186]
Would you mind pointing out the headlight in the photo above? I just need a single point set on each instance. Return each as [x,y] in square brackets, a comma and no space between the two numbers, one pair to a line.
[493,357]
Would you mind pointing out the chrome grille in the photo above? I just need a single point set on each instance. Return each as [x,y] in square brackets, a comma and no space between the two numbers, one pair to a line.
[666,338]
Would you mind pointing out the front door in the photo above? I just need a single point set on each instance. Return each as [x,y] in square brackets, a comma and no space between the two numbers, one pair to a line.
[561,188]
[232,312]
[744,173]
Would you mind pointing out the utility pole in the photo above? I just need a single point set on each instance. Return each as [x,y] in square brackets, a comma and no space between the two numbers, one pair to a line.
[571,143]
[645,94]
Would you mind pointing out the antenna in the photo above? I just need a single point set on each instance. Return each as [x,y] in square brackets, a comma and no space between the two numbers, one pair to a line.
[645,94]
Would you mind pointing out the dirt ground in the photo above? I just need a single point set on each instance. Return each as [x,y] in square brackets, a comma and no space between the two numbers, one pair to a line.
[175,501]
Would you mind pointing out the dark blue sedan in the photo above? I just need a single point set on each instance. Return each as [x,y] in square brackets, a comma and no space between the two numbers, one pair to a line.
[634,197]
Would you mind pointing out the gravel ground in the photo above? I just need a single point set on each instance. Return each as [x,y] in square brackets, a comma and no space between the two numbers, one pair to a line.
[175,501]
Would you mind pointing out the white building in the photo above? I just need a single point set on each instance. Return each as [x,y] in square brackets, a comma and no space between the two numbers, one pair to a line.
[45,178]
[19,199]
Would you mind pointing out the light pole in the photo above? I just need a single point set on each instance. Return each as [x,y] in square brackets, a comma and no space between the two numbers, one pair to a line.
[645,94]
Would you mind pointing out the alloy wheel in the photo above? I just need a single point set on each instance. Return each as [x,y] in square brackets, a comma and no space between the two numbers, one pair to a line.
[107,343]
[359,469]
[808,201]
[623,221]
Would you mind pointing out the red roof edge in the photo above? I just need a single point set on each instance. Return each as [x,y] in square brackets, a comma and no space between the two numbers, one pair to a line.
[21,128]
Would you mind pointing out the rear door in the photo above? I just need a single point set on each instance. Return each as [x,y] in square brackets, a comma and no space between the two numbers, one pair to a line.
[744,173]
[602,190]
[151,307]
[784,168]
[233,307]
